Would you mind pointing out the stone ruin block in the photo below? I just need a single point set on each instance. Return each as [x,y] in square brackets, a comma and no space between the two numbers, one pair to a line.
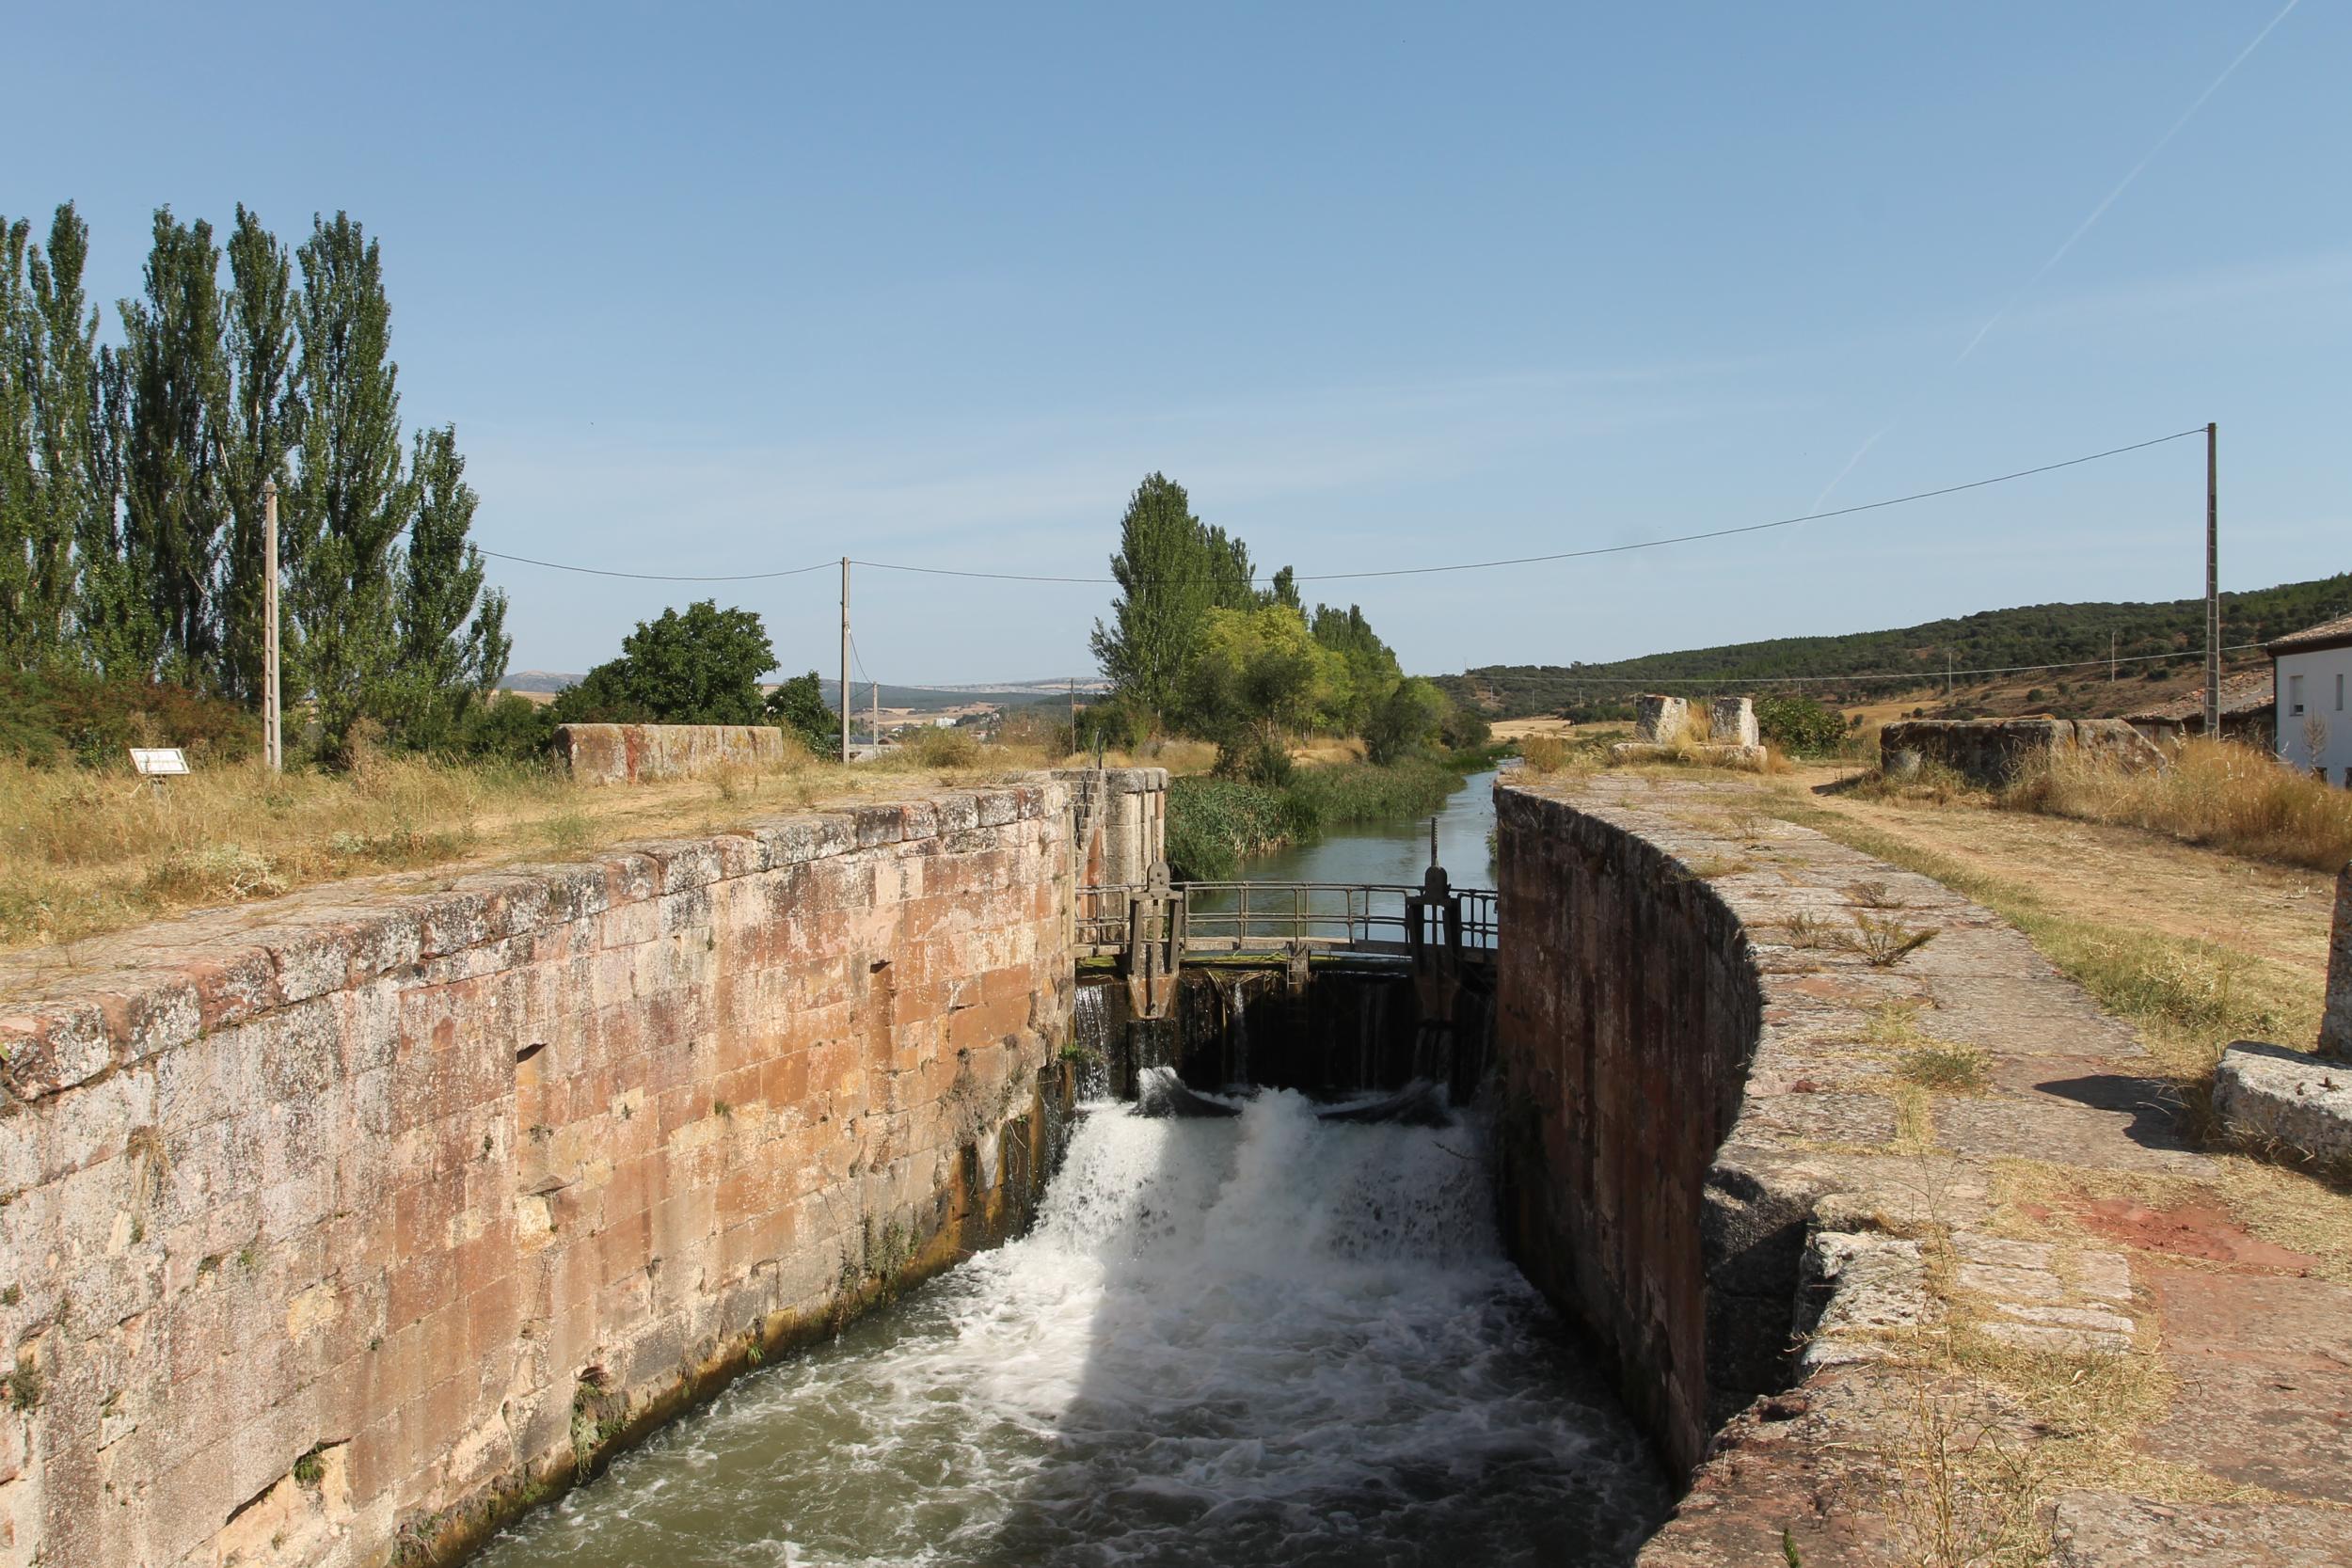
[1732,721]
[1659,721]
[1993,752]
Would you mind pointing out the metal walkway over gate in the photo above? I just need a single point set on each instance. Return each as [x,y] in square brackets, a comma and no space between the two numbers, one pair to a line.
[1153,929]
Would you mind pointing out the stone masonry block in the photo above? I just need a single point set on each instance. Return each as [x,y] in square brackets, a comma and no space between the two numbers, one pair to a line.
[1659,721]
[2269,1091]
[1731,721]
[2335,1023]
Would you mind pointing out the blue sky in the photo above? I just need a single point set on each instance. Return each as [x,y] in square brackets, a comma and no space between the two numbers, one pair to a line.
[711,289]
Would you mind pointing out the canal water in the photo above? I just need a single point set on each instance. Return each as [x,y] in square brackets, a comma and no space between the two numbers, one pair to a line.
[1265,1338]
[1397,852]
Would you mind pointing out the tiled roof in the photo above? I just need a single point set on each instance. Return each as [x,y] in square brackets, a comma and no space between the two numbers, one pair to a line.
[2239,694]
[2326,634]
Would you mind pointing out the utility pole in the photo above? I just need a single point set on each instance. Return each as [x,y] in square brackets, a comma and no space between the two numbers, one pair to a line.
[1948,677]
[2110,658]
[2213,590]
[1074,713]
[273,735]
[845,660]
[877,716]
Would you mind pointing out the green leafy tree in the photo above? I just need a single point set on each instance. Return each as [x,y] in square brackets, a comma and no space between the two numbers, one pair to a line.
[177,502]
[1405,722]
[263,427]
[1285,591]
[351,501]
[798,705]
[1259,676]
[451,632]
[1171,570]
[1800,725]
[1371,668]
[702,667]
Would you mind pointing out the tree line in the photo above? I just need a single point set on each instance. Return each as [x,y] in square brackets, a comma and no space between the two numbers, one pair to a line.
[2157,639]
[131,476]
[1195,647]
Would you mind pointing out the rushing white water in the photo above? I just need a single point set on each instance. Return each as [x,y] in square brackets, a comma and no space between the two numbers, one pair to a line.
[1257,1339]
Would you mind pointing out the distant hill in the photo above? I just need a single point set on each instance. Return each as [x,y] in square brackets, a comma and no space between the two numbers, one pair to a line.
[549,681]
[2050,634]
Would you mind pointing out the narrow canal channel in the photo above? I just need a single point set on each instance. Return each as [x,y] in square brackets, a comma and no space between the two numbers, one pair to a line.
[1265,1338]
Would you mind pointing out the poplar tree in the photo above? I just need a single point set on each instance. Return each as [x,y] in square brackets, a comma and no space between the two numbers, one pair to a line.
[17,355]
[77,447]
[451,634]
[1171,570]
[351,501]
[114,625]
[263,426]
[177,502]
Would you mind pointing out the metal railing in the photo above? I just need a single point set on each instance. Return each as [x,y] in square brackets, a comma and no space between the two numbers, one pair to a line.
[1247,917]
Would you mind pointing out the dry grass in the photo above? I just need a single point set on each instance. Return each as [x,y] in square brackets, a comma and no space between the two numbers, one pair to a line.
[1882,941]
[1182,757]
[2216,793]
[92,851]
[1544,753]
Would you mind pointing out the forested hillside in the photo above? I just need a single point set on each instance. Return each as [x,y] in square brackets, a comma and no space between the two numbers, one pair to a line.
[2051,634]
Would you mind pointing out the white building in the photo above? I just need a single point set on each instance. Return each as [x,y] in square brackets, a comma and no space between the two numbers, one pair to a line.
[2310,669]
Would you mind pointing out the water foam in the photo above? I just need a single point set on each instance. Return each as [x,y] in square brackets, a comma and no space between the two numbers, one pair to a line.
[1263,1339]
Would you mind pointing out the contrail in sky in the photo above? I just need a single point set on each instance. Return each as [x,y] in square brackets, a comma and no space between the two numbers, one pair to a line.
[2060,254]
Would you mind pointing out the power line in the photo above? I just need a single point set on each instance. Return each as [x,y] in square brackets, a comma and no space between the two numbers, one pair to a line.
[659,577]
[1394,571]
[1607,549]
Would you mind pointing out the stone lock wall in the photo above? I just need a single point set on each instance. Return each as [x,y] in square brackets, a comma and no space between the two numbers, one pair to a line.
[334,1230]
[1120,822]
[1992,752]
[647,754]
[1625,1012]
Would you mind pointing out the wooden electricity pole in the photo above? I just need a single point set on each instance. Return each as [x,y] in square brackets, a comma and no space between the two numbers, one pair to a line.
[877,716]
[845,660]
[2213,591]
[273,729]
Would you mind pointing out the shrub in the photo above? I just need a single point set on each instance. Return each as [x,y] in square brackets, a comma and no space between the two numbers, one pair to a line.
[942,748]
[53,716]
[1111,724]
[1800,725]
[1255,760]
[508,726]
